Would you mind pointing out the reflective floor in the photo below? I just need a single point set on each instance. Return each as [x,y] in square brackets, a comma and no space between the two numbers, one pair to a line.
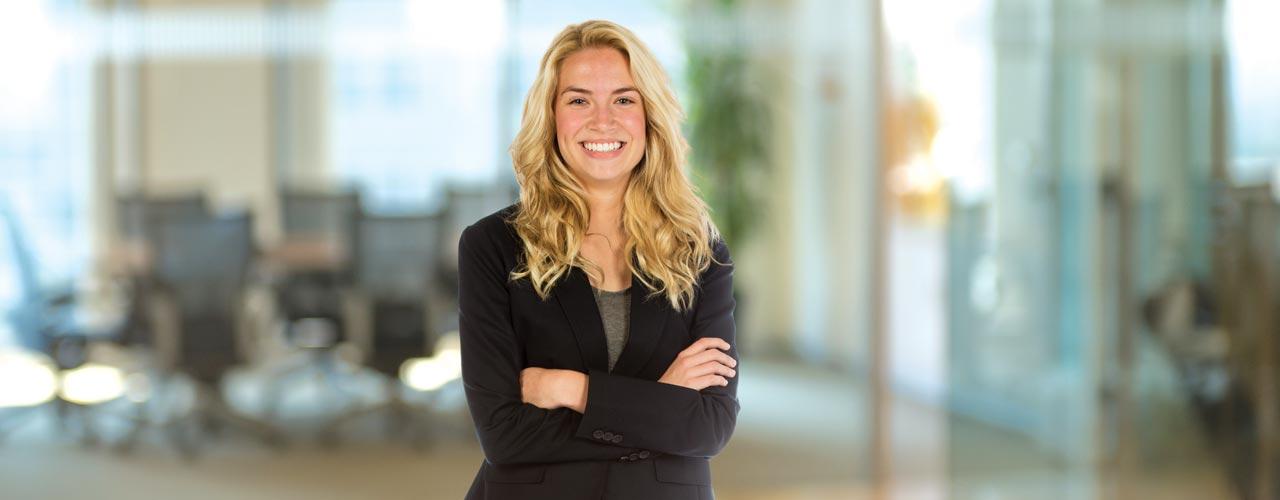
[800,437]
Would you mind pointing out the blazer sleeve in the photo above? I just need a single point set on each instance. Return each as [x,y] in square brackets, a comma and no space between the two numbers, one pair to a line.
[669,418]
[510,431]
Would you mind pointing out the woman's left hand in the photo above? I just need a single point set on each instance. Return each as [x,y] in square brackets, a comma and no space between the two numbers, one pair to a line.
[550,389]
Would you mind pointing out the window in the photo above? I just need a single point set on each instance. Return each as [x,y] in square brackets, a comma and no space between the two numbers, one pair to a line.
[1254,78]
[422,96]
[413,108]
[45,144]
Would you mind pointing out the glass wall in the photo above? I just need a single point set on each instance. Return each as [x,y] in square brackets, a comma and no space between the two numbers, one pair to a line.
[46,147]
[983,248]
[1080,215]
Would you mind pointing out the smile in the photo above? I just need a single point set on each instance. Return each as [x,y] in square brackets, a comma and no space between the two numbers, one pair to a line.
[603,147]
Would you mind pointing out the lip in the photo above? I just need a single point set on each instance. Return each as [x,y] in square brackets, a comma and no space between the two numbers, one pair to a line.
[603,155]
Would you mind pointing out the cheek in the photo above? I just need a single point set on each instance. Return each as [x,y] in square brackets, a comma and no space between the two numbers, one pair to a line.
[635,126]
[565,127]
[562,131]
[638,131]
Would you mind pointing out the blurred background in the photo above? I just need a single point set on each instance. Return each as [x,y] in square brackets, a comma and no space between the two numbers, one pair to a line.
[987,249]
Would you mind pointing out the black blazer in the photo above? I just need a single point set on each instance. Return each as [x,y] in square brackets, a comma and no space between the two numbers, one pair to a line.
[639,438]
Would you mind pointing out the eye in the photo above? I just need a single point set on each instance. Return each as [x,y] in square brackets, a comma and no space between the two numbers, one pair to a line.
[577,100]
[626,100]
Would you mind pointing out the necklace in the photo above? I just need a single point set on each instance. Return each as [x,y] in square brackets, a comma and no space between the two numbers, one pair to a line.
[599,286]
[606,240]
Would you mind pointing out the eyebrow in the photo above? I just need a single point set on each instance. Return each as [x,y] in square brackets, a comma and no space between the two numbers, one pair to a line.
[579,90]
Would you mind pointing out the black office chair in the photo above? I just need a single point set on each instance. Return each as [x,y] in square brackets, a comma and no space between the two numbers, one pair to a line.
[393,271]
[135,214]
[200,272]
[464,205]
[310,301]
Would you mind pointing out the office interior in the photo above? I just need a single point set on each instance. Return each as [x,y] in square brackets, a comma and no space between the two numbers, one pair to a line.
[984,249]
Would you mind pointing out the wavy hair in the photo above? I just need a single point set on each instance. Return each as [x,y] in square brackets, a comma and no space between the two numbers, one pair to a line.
[669,232]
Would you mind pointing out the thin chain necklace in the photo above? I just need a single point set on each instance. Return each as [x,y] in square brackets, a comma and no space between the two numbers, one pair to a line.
[596,289]
[606,239]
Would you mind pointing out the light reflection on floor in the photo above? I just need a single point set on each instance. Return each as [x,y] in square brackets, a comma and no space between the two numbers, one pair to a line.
[800,437]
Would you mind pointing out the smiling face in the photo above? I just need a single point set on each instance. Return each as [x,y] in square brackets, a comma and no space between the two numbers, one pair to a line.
[600,123]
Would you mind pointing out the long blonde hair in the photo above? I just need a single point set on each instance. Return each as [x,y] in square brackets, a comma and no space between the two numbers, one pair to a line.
[669,231]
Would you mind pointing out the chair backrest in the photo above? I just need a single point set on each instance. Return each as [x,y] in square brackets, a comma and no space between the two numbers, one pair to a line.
[204,264]
[325,215]
[394,255]
[136,216]
[328,218]
[134,212]
[463,207]
[394,264]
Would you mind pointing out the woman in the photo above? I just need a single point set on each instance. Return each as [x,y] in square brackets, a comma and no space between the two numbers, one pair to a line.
[597,313]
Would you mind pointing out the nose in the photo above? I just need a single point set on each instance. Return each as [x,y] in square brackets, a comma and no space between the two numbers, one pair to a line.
[603,117]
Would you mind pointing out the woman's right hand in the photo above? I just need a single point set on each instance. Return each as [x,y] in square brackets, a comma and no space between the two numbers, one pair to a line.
[702,365]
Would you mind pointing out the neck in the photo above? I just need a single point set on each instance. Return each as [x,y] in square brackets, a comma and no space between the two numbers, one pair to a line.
[605,205]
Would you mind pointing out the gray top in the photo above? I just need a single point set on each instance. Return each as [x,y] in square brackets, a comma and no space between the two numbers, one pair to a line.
[615,311]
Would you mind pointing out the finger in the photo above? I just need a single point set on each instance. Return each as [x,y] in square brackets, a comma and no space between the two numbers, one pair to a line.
[706,381]
[712,355]
[693,349]
[712,343]
[704,344]
[712,368]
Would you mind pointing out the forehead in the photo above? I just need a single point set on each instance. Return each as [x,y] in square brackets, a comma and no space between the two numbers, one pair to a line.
[595,69]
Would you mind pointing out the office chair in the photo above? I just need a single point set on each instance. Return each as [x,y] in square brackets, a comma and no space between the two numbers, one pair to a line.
[134,245]
[392,276]
[200,271]
[310,294]
[132,257]
[464,205]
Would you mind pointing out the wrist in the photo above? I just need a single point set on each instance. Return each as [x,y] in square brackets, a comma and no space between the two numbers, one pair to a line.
[574,390]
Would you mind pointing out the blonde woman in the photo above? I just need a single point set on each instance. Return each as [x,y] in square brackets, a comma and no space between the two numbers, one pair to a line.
[597,313]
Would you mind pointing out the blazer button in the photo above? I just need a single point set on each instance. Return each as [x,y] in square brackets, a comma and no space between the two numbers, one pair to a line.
[644,454]
[608,436]
[598,434]
[634,456]
[617,438]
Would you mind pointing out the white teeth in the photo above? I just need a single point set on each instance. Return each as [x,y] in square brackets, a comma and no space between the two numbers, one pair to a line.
[602,147]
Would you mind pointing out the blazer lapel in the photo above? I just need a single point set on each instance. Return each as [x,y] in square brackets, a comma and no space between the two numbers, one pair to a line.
[648,317]
[579,305]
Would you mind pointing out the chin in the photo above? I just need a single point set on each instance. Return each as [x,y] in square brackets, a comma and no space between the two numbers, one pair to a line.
[588,171]
[609,177]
